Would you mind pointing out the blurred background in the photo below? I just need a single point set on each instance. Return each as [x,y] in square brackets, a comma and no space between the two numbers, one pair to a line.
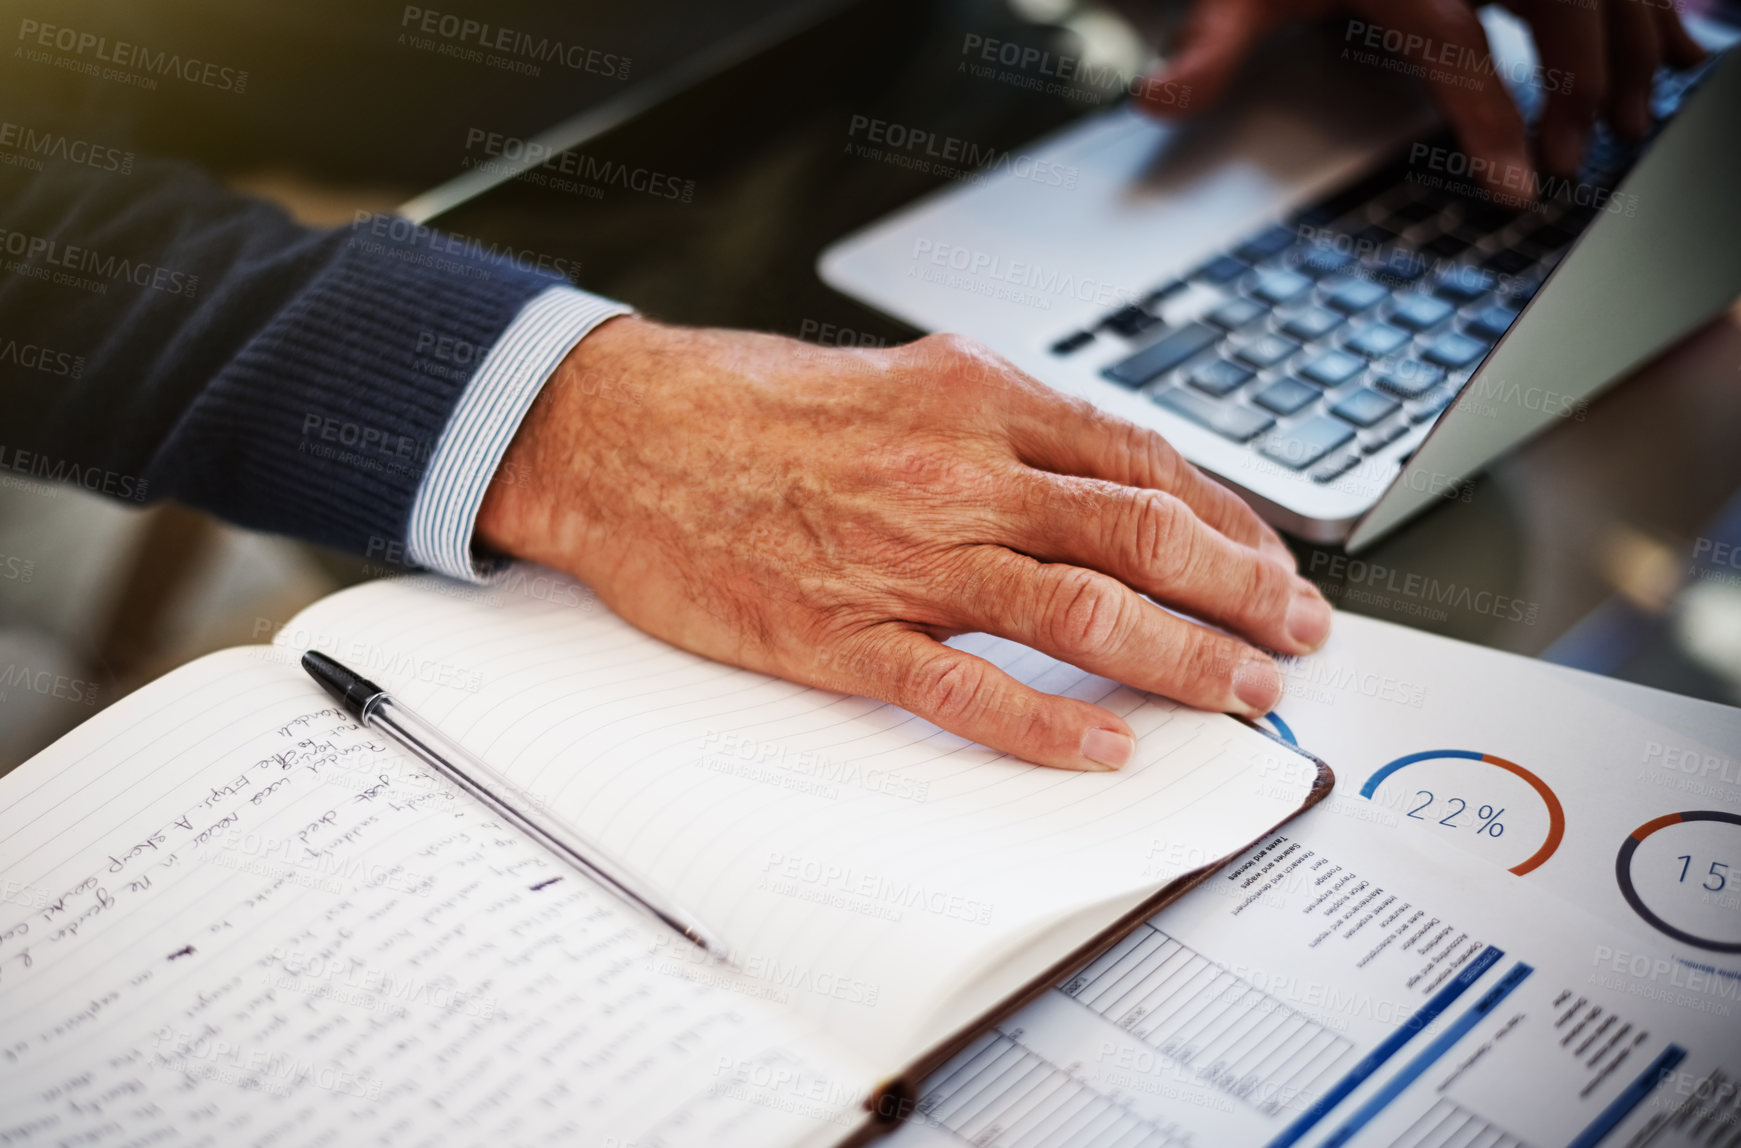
[1618,534]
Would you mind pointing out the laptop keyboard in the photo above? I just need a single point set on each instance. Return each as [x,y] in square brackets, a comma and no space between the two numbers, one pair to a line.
[1324,341]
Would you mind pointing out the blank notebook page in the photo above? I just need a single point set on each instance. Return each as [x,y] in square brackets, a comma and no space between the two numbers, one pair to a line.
[835,843]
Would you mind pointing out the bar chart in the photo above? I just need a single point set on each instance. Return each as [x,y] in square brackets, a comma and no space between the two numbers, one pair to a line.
[1217,1025]
[1001,1094]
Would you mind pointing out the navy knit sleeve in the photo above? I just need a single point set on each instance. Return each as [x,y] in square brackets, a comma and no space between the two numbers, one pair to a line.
[203,347]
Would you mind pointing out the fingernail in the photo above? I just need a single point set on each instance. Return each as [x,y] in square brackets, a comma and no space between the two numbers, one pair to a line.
[1108,748]
[1257,685]
[1308,621]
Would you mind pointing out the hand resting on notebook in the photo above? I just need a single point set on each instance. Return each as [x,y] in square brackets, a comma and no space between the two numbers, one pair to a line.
[830,515]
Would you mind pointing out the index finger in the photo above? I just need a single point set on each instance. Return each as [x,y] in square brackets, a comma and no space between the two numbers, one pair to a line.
[1216,38]
[1465,85]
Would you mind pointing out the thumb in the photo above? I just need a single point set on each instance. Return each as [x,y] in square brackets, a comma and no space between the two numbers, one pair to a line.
[1217,37]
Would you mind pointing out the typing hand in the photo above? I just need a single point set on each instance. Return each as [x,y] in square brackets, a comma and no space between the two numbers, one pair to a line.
[1597,58]
[829,515]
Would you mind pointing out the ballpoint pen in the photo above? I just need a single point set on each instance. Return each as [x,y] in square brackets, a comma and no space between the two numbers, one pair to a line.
[375,709]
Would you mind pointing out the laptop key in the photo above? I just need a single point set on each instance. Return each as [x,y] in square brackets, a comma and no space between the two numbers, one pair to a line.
[1352,196]
[1520,292]
[1221,269]
[1508,262]
[1270,241]
[1286,396]
[1430,407]
[1336,467]
[1129,322]
[1365,407]
[1415,211]
[1070,344]
[1161,356]
[1332,368]
[1407,378]
[1492,321]
[1321,261]
[1303,444]
[1229,420]
[1219,377]
[1485,218]
[1357,295]
[1236,313]
[1552,237]
[1454,351]
[1606,155]
[1280,286]
[1464,285]
[1374,235]
[1376,340]
[1402,267]
[1446,246]
[1382,436]
[1419,312]
[1266,350]
[1312,323]
[1164,292]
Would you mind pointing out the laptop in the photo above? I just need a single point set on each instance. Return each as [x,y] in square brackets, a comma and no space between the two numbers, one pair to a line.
[1306,293]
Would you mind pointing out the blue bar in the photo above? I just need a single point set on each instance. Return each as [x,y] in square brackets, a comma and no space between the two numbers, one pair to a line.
[1388,1048]
[1430,1055]
[1634,1095]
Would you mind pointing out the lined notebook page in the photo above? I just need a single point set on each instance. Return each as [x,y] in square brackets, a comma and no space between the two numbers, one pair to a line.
[232,917]
[835,843]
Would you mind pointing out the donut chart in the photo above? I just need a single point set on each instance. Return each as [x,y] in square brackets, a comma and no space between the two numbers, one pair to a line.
[1556,813]
[1623,875]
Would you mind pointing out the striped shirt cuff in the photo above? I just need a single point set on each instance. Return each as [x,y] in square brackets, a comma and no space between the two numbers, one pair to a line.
[477,435]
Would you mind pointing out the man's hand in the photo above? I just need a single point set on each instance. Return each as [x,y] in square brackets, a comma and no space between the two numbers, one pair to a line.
[830,515]
[1600,57]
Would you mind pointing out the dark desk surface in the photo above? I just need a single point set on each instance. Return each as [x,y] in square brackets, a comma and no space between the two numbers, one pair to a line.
[1579,546]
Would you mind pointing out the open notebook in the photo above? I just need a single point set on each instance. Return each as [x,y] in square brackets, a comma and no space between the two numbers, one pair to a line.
[229,915]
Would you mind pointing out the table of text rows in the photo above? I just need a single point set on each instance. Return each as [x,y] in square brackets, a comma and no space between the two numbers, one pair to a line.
[1001,1094]
[1708,1117]
[1448,1124]
[1228,1033]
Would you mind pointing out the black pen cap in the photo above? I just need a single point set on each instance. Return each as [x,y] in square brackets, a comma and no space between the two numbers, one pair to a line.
[350,688]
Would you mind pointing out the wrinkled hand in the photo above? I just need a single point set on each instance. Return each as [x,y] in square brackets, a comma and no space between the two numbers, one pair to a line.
[830,515]
[1598,59]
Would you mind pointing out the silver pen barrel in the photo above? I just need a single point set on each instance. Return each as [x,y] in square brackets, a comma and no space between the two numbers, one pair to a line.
[453,760]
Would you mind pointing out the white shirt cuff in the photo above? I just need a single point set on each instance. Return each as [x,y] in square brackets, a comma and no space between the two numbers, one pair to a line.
[445,511]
